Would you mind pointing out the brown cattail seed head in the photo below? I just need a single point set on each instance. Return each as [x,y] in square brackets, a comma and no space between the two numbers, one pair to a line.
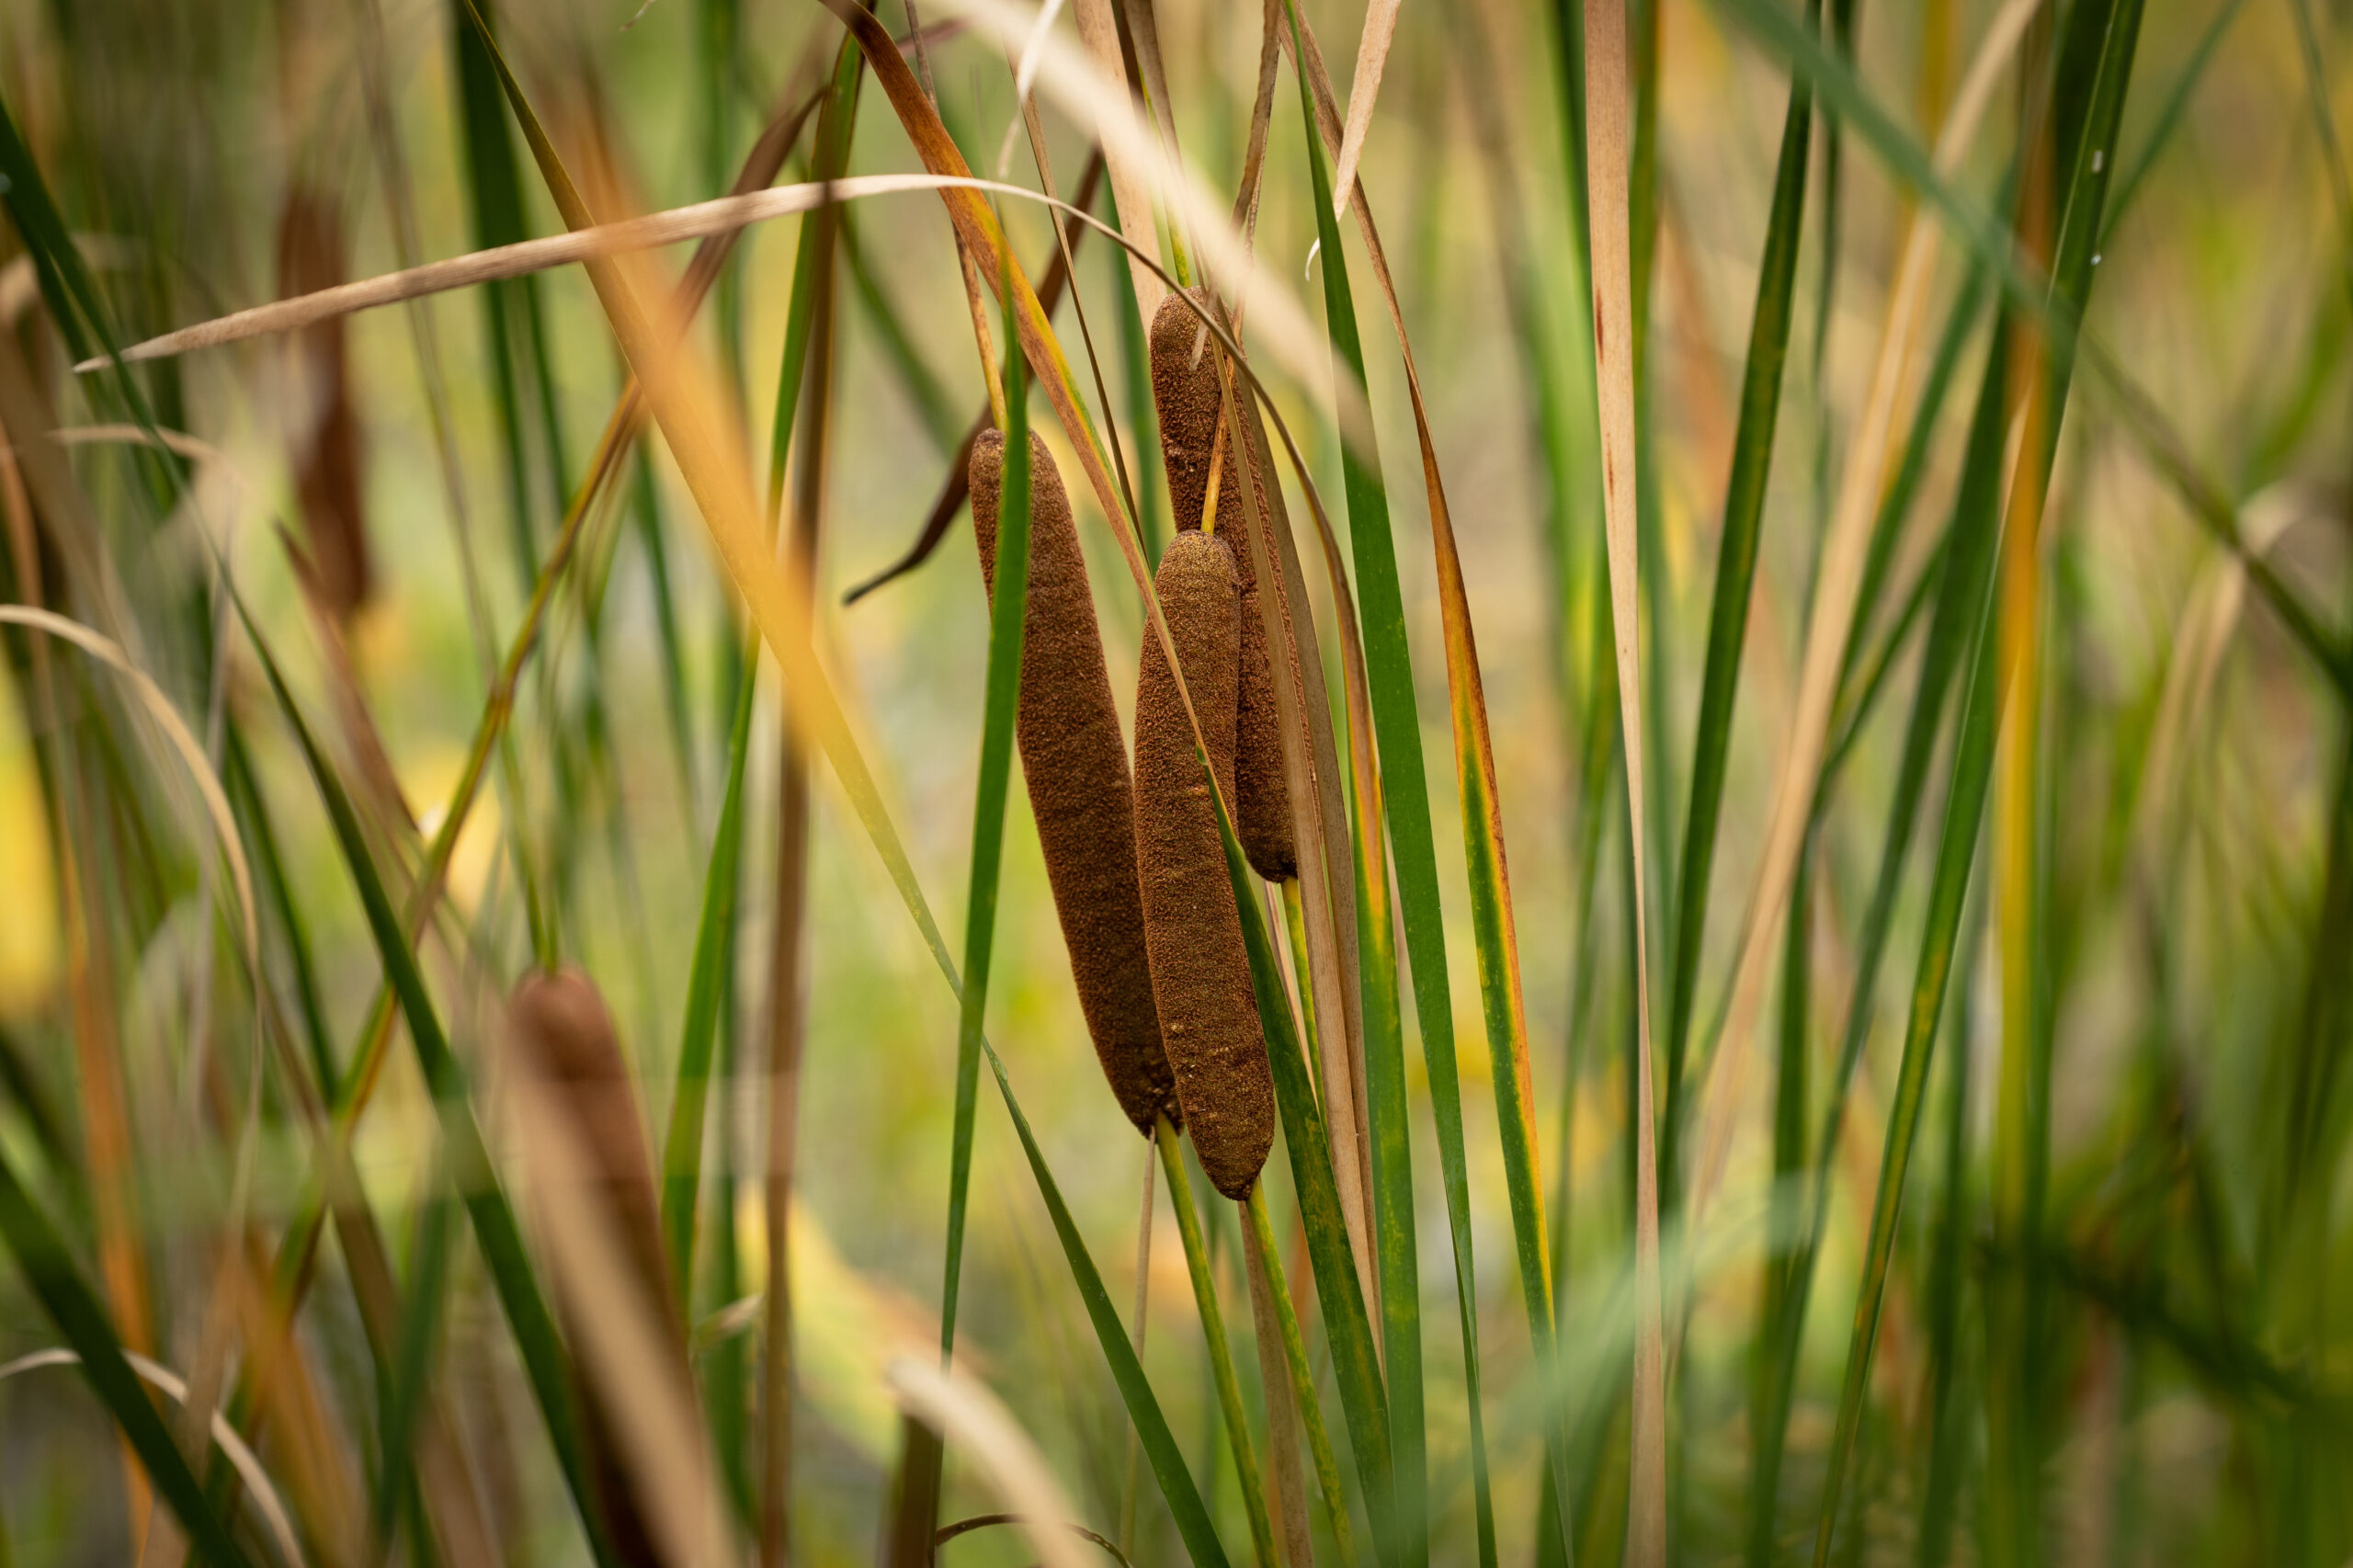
[1200,971]
[327,447]
[1076,767]
[561,1026]
[1186,395]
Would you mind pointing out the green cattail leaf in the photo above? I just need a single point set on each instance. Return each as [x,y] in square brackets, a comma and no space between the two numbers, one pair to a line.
[411,1370]
[1972,767]
[707,979]
[645,510]
[66,286]
[1143,425]
[260,830]
[837,124]
[1949,1431]
[1009,607]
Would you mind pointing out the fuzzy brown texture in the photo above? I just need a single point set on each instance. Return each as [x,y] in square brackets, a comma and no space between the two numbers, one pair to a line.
[1075,762]
[327,450]
[1200,971]
[1261,793]
[1185,394]
[562,1023]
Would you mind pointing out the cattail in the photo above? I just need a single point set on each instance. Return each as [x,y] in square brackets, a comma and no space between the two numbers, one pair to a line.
[1076,767]
[562,1023]
[326,435]
[1200,972]
[1184,394]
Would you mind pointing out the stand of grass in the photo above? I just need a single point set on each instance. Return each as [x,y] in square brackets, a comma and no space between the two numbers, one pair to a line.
[1962,581]
[49,1269]
[2089,93]
[495,1232]
[714,933]
[1752,460]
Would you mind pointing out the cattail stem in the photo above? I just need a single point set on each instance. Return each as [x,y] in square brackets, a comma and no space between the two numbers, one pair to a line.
[1282,1419]
[975,301]
[1295,924]
[1228,1389]
[1217,465]
[1266,1257]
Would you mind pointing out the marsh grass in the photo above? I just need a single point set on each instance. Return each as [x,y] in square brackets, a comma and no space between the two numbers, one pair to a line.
[1889,600]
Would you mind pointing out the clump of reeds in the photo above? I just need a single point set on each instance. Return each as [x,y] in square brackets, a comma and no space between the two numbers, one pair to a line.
[562,1022]
[1076,767]
[1208,1015]
[1186,395]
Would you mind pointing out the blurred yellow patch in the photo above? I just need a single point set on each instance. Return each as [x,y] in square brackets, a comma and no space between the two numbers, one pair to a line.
[30,937]
[378,636]
[845,1327]
[428,781]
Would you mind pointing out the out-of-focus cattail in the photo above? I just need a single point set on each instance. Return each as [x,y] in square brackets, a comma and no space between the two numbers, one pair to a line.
[326,435]
[1076,767]
[1208,1015]
[1184,394]
[562,1022]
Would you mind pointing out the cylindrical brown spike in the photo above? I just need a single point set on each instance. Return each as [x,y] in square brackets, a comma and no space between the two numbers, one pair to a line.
[1076,767]
[562,1023]
[1262,817]
[1201,971]
[1185,394]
